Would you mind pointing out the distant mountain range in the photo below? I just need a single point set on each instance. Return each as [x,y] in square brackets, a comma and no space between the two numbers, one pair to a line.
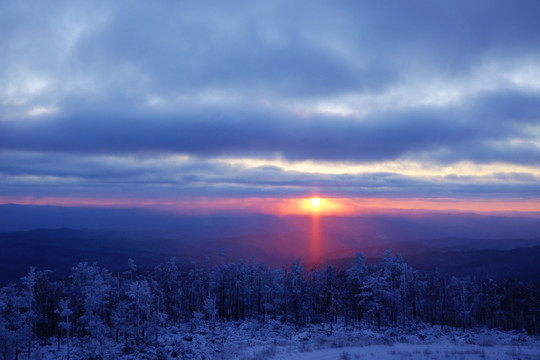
[59,250]
[413,225]
[57,238]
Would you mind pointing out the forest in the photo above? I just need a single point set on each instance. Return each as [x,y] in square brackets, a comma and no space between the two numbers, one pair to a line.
[135,307]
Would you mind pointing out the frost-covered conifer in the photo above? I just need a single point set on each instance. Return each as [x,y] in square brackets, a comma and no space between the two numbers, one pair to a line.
[140,306]
[65,314]
[211,311]
[94,286]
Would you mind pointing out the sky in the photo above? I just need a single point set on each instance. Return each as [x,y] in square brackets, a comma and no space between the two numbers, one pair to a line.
[258,106]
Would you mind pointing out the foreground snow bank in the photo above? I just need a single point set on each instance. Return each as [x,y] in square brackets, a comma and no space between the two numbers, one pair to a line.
[273,340]
[429,351]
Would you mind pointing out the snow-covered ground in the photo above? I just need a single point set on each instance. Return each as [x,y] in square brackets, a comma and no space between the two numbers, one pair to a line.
[273,340]
[408,351]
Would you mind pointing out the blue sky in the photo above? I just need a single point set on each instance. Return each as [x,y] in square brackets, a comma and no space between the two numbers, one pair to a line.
[147,102]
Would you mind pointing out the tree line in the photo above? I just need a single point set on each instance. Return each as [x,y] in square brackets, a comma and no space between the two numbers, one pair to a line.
[134,307]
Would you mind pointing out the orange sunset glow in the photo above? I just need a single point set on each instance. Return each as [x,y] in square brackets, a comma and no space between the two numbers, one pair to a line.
[291,206]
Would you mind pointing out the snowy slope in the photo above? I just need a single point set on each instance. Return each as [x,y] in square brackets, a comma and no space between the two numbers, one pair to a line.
[273,340]
[408,351]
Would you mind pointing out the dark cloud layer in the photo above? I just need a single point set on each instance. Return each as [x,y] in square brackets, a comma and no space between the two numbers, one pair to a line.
[479,132]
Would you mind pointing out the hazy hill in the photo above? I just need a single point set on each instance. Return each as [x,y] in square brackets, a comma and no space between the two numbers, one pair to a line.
[57,238]
[61,249]
[376,228]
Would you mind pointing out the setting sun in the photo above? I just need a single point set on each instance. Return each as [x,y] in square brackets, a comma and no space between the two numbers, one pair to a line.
[316,206]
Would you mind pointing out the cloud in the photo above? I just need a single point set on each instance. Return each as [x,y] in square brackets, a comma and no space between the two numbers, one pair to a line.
[101,93]
[168,177]
[100,50]
[479,131]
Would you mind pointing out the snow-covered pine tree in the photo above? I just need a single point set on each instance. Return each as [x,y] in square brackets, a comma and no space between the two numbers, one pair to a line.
[65,314]
[94,284]
[140,306]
